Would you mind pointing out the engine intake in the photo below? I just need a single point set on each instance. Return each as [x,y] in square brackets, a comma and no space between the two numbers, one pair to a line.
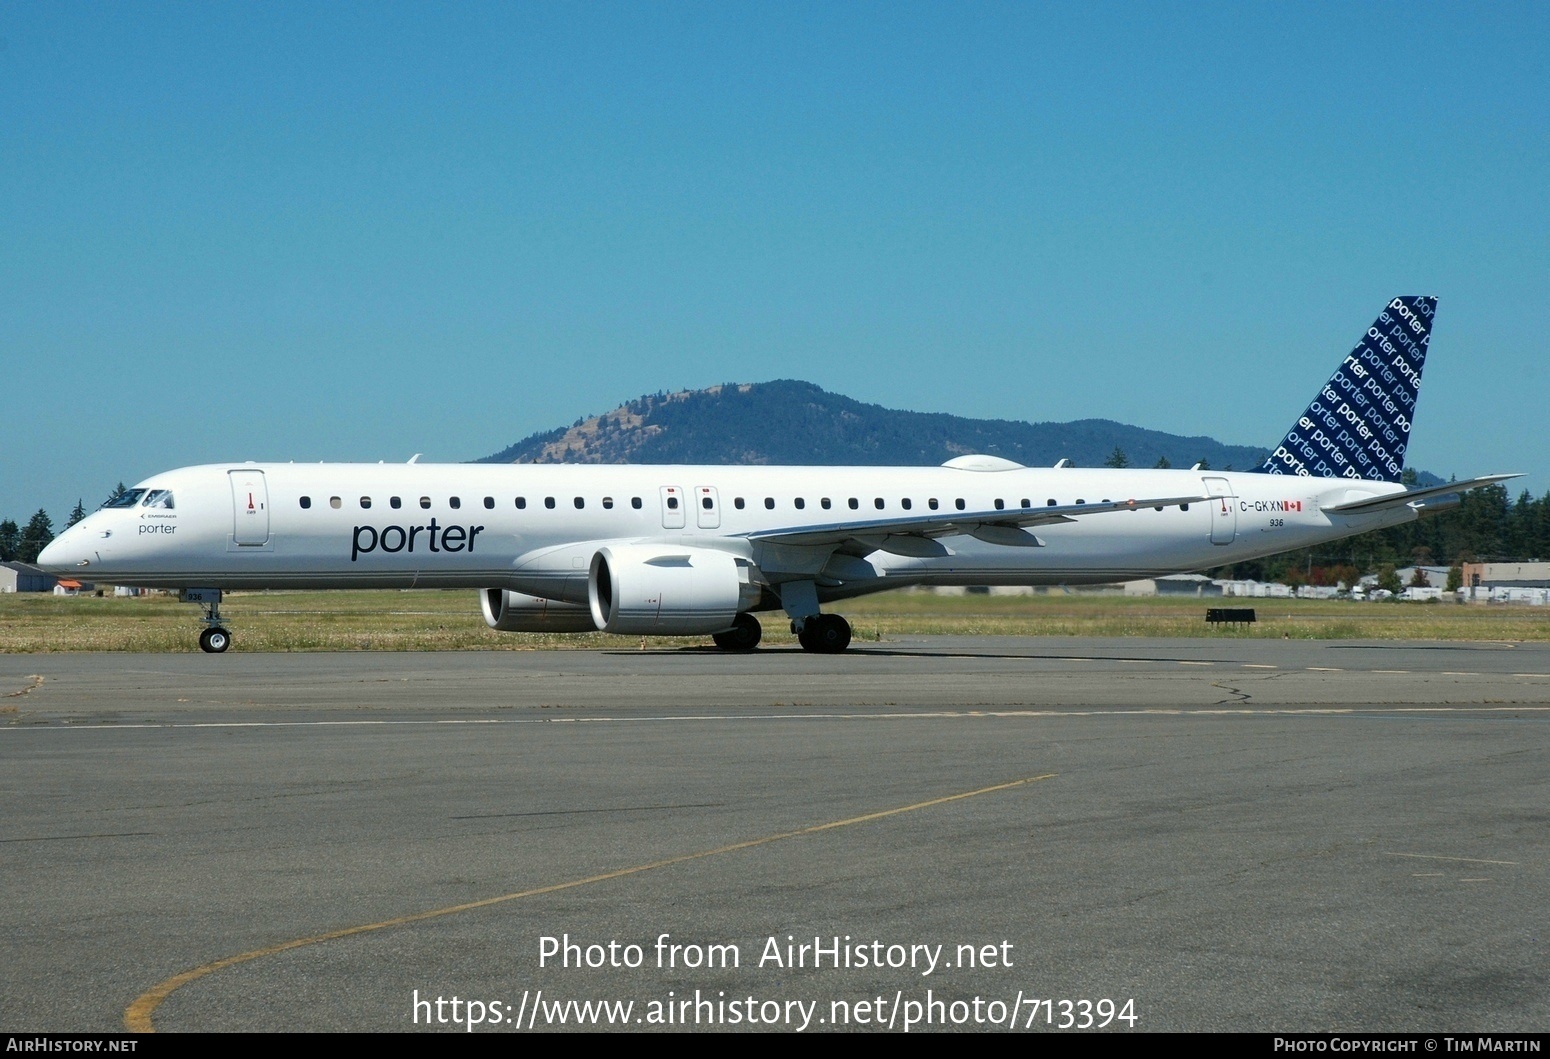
[643,588]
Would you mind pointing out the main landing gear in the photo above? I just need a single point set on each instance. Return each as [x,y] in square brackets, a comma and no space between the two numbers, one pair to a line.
[825,634]
[744,635]
[215,639]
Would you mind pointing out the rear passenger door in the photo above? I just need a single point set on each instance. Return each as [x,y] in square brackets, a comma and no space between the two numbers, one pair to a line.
[707,507]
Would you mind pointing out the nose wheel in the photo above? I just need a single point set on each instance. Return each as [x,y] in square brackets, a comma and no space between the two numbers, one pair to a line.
[215,639]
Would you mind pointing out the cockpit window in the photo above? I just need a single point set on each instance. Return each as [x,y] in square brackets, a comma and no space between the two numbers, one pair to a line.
[158,498]
[128,498]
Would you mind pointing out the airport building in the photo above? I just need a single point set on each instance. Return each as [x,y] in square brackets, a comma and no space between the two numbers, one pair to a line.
[1196,585]
[24,577]
[1507,583]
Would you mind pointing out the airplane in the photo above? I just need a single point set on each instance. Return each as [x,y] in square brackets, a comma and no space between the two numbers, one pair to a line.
[701,550]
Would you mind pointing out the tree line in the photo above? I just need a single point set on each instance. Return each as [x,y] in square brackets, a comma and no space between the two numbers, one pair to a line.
[24,544]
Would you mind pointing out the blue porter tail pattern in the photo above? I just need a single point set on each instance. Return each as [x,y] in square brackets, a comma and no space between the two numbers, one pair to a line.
[1359,424]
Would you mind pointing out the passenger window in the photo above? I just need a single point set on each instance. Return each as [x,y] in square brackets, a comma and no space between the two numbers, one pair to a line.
[824,503]
[1000,504]
[1079,500]
[549,502]
[454,503]
[707,503]
[672,503]
[854,503]
[800,503]
[905,503]
[608,503]
[878,503]
[395,503]
[1051,502]
[769,502]
[425,502]
[959,503]
[1183,507]
[521,503]
[635,502]
[335,503]
[489,503]
[365,501]
[580,503]
[1026,502]
[738,503]
[306,502]
[932,504]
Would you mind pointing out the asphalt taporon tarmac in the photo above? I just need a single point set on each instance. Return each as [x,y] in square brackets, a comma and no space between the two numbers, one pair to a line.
[1160,834]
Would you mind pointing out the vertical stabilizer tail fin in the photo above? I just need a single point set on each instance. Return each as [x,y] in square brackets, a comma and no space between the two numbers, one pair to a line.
[1359,424]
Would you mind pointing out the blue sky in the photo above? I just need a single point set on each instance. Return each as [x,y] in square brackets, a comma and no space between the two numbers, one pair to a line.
[357,232]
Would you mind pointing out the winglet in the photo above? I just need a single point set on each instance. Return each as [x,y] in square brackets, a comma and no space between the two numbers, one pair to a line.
[1359,424]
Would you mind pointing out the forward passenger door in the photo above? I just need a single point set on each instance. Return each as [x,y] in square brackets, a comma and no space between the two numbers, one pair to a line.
[672,507]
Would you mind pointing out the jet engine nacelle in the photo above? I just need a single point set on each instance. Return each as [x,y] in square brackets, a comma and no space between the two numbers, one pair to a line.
[652,588]
[510,611]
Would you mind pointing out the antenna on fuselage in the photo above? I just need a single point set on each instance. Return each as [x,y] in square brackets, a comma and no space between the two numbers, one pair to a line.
[416,457]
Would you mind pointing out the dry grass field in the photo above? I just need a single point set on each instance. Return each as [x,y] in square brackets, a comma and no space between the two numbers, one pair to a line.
[450,621]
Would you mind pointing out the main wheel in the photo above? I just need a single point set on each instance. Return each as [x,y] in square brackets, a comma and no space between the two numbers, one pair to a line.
[827,634]
[744,635]
[214,641]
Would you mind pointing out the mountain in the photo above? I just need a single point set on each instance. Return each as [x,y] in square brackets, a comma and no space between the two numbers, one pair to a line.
[791,422]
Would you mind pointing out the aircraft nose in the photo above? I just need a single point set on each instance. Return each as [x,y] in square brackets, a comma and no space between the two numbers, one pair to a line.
[66,553]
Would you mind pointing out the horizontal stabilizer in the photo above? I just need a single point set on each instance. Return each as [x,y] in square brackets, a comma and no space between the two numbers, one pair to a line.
[1382,503]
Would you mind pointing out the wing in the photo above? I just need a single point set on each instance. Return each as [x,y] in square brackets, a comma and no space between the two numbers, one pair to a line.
[915,535]
[1388,500]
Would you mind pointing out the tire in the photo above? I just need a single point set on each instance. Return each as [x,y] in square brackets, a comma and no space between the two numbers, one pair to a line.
[744,635]
[214,641]
[826,634]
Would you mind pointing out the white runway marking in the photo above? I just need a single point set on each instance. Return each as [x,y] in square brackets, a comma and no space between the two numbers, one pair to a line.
[961,714]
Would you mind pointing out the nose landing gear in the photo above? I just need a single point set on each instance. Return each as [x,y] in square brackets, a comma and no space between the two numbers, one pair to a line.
[215,639]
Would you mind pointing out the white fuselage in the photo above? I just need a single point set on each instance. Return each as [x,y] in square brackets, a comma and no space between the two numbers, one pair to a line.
[534,528]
